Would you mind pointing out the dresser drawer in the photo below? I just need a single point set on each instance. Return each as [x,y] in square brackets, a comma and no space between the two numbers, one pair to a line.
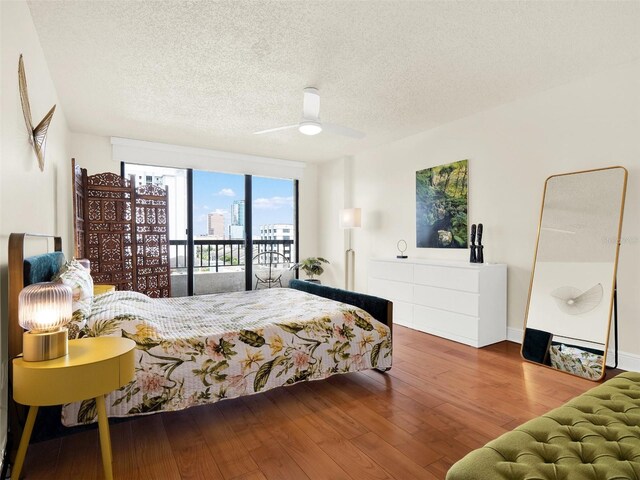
[399,272]
[466,279]
[391,290]
[446,299]
[443,323]
[455,300]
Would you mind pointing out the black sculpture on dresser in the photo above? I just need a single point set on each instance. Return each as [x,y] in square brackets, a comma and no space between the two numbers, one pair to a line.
[480,247]
[477,250]
[473,258]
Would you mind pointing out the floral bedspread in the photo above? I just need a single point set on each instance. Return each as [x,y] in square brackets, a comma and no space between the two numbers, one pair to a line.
[196,350]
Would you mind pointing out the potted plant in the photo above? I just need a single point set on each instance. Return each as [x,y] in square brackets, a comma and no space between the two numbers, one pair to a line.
[312,266]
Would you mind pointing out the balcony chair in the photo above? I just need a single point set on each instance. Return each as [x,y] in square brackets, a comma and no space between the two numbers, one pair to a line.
[269,267]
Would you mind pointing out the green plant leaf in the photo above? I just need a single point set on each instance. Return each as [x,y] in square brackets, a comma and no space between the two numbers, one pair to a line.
[88,411]
[262,376]
[149,404]
[291,327]
[142,343]
[251,338]
[363,323]
[298,377]
[375,353]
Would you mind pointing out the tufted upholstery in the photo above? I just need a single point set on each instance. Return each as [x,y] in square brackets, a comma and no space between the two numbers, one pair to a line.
[42,268]
[594,436]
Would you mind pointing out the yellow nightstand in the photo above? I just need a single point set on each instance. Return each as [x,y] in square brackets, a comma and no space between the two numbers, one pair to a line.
[100,289]
[93,368]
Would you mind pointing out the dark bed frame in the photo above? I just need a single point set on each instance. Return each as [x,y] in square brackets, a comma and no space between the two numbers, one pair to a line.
[378,308]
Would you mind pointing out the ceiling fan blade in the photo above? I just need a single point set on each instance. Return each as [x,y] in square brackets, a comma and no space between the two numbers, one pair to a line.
[340,130]
[311,104]
[275,129]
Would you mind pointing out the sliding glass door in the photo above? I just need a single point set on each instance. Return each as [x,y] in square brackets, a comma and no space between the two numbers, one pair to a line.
[219,233]
[273,230]
[228,232]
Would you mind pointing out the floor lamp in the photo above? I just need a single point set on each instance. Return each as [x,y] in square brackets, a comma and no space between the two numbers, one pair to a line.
[350,218]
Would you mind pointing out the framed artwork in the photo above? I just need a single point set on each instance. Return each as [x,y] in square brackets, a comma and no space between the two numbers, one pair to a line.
[441,206]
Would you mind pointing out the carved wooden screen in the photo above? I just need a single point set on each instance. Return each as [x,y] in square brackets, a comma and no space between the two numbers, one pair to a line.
[123,231]
[109,228]
[152,241]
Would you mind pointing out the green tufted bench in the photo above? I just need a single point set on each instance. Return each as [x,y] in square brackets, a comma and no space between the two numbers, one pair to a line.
[594,436]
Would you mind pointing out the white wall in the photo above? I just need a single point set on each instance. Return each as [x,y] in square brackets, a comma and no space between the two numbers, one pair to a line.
[331,245]
[30,200]
[93,153]
[594,122]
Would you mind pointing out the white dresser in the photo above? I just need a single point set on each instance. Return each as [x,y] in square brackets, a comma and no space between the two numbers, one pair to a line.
[460,301]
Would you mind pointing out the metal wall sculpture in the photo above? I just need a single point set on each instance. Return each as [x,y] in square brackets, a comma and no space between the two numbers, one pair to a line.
[123,231]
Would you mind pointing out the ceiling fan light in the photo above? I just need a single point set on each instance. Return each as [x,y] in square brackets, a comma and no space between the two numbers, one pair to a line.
[310,128]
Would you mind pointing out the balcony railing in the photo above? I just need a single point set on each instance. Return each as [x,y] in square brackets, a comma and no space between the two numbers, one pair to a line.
[221,255]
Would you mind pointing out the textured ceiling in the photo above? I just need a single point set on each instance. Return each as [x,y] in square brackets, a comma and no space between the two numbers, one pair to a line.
[208,74]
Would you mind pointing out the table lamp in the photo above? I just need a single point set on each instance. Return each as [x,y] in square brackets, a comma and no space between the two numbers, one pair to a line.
[44,310]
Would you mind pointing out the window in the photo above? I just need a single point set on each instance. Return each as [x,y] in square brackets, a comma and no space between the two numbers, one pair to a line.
[218,222]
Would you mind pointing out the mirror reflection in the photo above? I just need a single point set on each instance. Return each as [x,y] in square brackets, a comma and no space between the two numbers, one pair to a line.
[573,280]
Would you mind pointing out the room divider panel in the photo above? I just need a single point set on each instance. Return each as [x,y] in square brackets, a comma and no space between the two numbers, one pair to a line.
[123,231]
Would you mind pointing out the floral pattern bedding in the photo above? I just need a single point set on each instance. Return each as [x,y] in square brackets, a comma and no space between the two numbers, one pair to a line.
[196,350]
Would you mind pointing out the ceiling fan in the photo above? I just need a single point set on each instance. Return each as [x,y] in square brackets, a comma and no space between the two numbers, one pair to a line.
[310,123]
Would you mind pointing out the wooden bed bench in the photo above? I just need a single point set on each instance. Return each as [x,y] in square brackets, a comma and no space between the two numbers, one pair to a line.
[594,436]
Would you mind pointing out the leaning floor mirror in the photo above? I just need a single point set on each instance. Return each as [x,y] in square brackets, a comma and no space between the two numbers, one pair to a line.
[573,280]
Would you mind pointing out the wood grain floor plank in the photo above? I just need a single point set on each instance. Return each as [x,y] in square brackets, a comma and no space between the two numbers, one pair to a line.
[83,445]
[343,452]
[276,464]
[390,458]
[239,419]
[396,434]
[125,465]
[42,459]
[310,395]
[313,461]
[154,457]
[230,451]
[257,475]
[194,459]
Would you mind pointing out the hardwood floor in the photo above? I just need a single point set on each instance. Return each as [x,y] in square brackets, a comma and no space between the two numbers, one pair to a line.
[439,401]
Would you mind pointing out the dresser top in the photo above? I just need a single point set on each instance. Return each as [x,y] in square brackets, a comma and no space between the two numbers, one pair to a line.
[440,263]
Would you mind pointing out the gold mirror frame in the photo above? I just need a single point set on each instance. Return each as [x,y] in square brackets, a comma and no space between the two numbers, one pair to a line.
[615,270]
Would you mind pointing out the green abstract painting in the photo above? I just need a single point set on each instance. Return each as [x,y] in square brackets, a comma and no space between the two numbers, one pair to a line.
[441,206]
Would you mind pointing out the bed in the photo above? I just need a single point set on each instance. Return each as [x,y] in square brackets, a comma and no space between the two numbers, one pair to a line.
[197,350]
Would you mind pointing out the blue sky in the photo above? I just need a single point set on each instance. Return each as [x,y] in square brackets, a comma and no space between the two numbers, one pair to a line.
[216,192]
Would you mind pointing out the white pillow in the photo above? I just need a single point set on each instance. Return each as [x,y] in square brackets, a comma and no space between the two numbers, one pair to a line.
[78,278]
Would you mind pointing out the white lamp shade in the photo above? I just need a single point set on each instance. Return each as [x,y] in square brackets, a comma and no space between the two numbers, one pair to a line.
[351,218]
[44,307]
